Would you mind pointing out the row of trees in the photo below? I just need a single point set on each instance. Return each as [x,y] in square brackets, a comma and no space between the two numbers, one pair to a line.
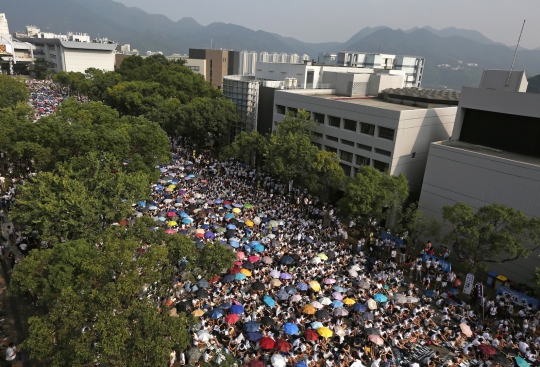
[162,91]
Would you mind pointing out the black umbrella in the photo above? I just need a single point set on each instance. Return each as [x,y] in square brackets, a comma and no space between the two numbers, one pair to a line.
[233,221]
[331,255]
[287,260]
[322,314]
[183,306]
[372,331]
[230,233]
[295,257]
[257,286]
[267,321]
[367,316]
[204,188]
[201,293]
[248,265]
[239,224]
[347,321]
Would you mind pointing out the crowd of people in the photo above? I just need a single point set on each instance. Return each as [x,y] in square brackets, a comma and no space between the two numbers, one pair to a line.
[46,96]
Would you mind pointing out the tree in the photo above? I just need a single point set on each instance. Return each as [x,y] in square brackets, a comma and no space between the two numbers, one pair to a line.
[413,224]
[134,98]
[371,192]
[329,174]
[44,69]
[495,233]
[12,91]
[246,147]
[214,258]
[101,300]
[71,80]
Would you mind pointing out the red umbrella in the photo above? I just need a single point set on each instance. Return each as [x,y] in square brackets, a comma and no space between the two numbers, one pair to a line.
[254,259]
[234,270]
[311,334]
[487,349]
[215,279]
[283,345]
[256,363]
[266,343]
[232,318]
[226,202]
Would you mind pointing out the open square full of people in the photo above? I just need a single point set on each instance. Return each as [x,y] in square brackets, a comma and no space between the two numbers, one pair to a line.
[46,96]
[302,294]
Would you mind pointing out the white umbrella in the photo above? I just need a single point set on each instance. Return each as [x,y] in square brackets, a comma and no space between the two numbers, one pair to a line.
[356,268]
[278,360]
[316,260]
[400,298]
[271,235]
[203,335]
[317,304]
[411,299]
[353,273]
[257,220]
[167,201]
[325,301]
[372,305]
[296,298]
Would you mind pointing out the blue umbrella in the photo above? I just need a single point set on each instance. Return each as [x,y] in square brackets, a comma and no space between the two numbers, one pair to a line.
[203,283]
[265,220]
[186,220]
[216,313]
[287,260]
[254,336]
[316,325]
[291,290]
[451,302]
[240,276]
[231,226]
[452,291]
[301,364]
[234,243]
[210,235]
[253,243]
[228,207]
[258,248]
[302,286]
[228,278]
[205,226]
[380,298]
[430,293]
[237,309]
[251,326]
[183,215]
[285,276]
[229,215]
[225,306]
[282,295]
[521,362]
[336,303]
[290,328]
[218,201]
[339,289]
[359,307]
[269,301]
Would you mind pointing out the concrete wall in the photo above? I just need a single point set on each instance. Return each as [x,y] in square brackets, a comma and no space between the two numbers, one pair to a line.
[216,66]
[80,60]
[478,178]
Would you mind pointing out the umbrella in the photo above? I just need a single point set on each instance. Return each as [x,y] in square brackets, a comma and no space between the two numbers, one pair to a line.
[359,307]
[337,295]
[340,311]
[254,259]
[254,336]
[372,331]
[315,286]
[339,289]
[372,305]
[453,291]
[336,303]
[257,286]
[316,325]
[349,301]
[285,276]
[283,345]
[267,343]
[236,210]
[282,295]
[249,223]
[256,363]
[237,309]
[353,273]
[198,312]
[521,362]
[170,231]
[411,299]
[273,223]
[209,235]
[267,260]
[269,301]
[311,334]
[367,316]
[258,248]
[216,313]
[316,260]
[325,301]
[325,332]
[251,326]
[248,266]
[317,305]
[203,335]
[430,293]
[376,339]
[465,329]
[451,302]
[296,298]
[172,223]
[267,321]
[232,318]
[309,309]
[287,260]
[194,354]
[487,349]
[278,360]
[329,281]
[301,364]
[363,284]
[290,328]
[240,276]
[276,283]
[322,314]
[225,306]
[323,256]
[246,272]
[240,255]
[228,278]
[201,293]
[291,290]
[275,274]
[380,297]
[203,283]
[302,286]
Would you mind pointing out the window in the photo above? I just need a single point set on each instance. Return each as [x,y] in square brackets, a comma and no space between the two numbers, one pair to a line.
[347,142]
[386,133]
[413,155]
[362,161]
[318,135]
[346,156]
[349,125]
[367,129]
[364,147]
[383,152]
[211,63]
[193,68]
[280,109]
[318,145]
[346,169]
[319,117]
[332,138]
[381,166]
[294,110]
[334,121]
[330,149]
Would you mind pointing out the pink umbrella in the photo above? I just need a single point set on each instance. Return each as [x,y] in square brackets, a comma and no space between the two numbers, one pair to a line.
[296,298]
[239,263]
[329,281]
[171,214]
[240,255]
[170,231]
[254,259]
[337,295]
[376,339]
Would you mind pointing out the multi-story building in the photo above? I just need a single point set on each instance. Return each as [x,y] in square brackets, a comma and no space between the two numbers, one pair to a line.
[16,56]
[219,63]
[493,156]
[327,58]
[412,66]
[248,62]
[390,131]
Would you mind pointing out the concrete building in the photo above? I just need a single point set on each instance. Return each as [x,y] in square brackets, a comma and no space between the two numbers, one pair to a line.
[219,63]
[412,66]
[248,62]
[493,157]
[327,58]
[377,131]
[16,56]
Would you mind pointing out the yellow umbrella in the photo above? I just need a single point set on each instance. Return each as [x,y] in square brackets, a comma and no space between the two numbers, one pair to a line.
[249,223]
[246,272]
[315,285]
[172,223]
[199,231]
[323,256]
[276,283]
[309,310]
[349,301]
[236,210]
[171,187]
[198,313]
[325,332]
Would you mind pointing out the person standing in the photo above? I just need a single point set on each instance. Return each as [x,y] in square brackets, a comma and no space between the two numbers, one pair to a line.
[11,354]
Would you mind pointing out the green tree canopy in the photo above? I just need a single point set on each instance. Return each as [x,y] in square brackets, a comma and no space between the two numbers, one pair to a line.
[413,224]
[12,91]
[371,192]
[495,233]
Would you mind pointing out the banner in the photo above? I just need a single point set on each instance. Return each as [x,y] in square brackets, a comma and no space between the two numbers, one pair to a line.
[398,241]
[516,297]
[445,266]
[480,288]
[469,284]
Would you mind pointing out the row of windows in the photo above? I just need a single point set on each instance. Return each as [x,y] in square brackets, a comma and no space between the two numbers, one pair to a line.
[351,144]
[351,125]
[359,160]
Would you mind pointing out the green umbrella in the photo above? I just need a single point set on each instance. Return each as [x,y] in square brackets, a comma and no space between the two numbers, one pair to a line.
[220,230]
[248,206]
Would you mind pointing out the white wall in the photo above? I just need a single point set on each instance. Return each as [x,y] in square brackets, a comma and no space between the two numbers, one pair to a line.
[80,60]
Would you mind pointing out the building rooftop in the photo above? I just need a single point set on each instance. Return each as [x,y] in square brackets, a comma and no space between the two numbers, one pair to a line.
[421,97]
[491,152]
[365,101]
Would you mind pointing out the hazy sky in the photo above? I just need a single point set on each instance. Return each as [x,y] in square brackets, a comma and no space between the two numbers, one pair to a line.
[338,20]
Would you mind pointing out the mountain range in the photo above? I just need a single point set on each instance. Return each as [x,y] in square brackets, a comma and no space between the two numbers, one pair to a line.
[457,50]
